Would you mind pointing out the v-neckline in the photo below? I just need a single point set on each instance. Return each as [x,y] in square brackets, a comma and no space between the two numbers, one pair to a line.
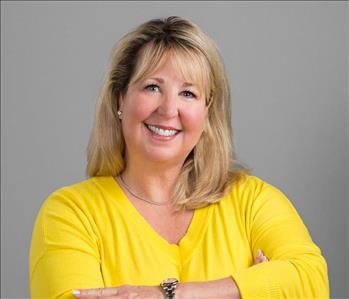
[188,242]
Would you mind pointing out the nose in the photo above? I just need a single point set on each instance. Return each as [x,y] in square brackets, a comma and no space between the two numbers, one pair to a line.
[168,106]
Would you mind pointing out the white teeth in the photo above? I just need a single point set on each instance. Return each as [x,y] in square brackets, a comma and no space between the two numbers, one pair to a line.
[161,132]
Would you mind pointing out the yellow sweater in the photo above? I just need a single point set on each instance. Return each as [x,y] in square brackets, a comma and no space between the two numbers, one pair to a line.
[88,235]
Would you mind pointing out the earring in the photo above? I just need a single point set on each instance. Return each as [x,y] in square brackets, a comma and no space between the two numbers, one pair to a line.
[120,114]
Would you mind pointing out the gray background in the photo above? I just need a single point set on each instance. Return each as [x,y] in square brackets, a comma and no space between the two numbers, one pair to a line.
[288,67]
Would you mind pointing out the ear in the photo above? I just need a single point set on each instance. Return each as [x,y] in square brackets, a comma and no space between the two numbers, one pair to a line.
[209,101]
[206,110]
[121,102]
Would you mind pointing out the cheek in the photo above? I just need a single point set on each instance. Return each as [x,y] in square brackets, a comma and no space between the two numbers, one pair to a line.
[193,120]
[139,108]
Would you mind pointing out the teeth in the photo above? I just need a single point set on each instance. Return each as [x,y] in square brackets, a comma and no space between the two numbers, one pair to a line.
[161,132]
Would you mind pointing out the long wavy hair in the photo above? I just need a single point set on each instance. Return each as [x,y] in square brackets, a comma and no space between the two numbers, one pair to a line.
[211,167]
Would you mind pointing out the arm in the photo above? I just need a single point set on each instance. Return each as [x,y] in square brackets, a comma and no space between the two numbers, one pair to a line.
[64,250]
[222,288]
[216,289]
[296,268]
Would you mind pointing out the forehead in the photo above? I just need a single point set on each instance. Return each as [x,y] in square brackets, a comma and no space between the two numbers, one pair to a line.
[189,66]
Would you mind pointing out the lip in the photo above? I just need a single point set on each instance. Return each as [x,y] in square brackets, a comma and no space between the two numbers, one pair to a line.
[159,137]
[163,127]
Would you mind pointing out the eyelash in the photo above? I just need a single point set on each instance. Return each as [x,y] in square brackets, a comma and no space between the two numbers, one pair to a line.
[193,95]
[151,85]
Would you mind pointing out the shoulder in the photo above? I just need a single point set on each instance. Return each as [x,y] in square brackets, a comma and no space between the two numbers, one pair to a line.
[252,190]
[81,206]
[252,195]
[80,200]
[81,188]
[85,192]
[248,185]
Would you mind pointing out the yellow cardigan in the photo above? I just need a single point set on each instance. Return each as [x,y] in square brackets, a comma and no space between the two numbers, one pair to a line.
[89,235]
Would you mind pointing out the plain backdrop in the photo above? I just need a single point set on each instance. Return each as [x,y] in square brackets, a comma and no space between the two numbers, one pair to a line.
[288,67]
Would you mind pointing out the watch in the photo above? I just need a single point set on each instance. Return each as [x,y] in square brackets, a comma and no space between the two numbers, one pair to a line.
[169,286]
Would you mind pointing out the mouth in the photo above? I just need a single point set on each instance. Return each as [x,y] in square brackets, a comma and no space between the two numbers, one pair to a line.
[161,130]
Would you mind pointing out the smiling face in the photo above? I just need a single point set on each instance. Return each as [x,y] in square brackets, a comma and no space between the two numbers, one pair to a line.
[163,115]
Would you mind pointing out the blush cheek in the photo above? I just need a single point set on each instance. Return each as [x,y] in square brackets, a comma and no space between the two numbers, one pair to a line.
[193,124]
[193,121]
[142,108]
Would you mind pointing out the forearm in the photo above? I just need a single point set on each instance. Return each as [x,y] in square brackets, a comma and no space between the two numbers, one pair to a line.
[220,289]
[293,278]
[215,289]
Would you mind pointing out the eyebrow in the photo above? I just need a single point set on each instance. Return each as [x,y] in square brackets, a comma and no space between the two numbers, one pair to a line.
[185,84]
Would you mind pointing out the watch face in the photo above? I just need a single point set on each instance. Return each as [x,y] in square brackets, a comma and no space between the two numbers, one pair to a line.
[170,280]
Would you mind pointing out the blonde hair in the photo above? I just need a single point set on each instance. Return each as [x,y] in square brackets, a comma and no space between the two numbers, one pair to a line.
[211,167]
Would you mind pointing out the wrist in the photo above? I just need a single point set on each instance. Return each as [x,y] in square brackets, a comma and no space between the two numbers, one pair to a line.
[184,290]
[159,292]
[222,288]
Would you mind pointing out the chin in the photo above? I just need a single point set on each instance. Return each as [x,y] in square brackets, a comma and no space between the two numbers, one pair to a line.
[164,157]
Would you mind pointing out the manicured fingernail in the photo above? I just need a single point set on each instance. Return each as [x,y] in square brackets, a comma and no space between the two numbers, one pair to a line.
[76,292]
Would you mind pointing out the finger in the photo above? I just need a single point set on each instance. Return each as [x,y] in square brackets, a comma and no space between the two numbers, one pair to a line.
[260,254]
[258,260]
[260,257]
[95,293]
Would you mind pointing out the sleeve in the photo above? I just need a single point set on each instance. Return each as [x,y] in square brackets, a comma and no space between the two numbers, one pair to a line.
[64,251]
[296,268]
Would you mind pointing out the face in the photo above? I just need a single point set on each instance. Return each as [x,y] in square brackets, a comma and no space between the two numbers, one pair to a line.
[163,116]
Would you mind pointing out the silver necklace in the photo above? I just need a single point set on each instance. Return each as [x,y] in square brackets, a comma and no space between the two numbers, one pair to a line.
[146,200]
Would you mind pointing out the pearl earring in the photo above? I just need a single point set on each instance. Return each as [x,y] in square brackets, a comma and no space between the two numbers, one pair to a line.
[120,114]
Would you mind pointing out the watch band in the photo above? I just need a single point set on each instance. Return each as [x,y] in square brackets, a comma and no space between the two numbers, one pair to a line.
[169,286]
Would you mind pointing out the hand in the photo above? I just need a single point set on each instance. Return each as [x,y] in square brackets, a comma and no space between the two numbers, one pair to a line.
[124,292]
[260,257]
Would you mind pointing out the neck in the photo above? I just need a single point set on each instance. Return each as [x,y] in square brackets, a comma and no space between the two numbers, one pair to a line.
[155,184]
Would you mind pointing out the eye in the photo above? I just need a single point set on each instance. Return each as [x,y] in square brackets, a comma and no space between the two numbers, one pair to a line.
[189,94]
[152,87]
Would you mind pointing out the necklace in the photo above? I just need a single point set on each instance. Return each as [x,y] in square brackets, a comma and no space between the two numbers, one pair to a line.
[146,200]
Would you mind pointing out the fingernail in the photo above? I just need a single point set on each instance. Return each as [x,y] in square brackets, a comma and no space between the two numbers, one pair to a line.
[76,292]
[259,252]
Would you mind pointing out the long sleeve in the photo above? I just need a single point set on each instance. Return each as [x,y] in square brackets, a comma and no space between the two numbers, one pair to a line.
[296,268]
[64,250]
[88,235]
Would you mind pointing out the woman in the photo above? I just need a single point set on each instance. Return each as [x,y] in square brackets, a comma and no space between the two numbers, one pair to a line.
[167,211]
